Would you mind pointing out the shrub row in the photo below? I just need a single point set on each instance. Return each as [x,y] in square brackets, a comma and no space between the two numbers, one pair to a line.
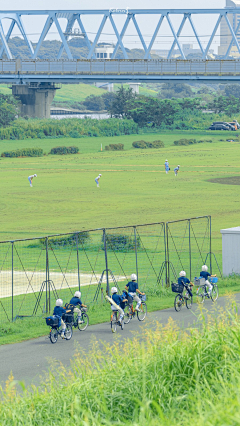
[144,145]
[24,152]
[114,147]
[66,240]
[190,141]
[121,243]
[63,150]
[72,127]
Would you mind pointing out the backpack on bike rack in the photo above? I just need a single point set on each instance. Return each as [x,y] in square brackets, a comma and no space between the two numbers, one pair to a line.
[53,321]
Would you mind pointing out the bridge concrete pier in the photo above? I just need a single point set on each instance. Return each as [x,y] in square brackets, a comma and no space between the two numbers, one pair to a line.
[36,98]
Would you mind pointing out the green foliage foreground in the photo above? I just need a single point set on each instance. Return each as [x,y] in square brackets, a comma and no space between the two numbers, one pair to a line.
[170,377]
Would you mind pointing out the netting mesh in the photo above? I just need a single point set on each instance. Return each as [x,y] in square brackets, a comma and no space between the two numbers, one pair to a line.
[33,273]
[188,244]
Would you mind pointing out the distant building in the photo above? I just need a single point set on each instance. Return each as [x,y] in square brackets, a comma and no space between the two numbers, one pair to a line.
[225,34]
[104,52]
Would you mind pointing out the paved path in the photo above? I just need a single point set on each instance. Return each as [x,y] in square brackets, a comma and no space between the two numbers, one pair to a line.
[28,360]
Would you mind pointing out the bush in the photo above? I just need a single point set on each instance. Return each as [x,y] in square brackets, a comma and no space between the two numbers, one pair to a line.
[121,243]
[143,145]
[139,144]
[64,150]
[190,141]
[74,134]
[114,147]
[24,152]
[66,240]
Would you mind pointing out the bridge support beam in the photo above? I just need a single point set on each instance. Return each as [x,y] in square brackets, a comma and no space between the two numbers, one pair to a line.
[36,98]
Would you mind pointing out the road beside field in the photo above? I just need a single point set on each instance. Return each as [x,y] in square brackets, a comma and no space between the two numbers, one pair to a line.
[29,360]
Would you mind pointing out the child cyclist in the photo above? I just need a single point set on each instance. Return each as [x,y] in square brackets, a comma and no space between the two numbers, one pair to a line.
[184,280]
[116,300]
[132,288]
[205,274]
[76,301]
[58,312]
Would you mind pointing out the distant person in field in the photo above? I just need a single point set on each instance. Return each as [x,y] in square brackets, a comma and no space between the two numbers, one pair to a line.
[97,179]
[176,170]
[166,165]
[30,178]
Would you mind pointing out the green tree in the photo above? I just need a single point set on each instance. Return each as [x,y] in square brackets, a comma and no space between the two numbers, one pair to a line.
[8,110]
[119,105]
[175,90]
[94,103]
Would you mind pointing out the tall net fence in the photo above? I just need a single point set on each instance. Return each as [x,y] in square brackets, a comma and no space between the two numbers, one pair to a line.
[34,272]
[188,246]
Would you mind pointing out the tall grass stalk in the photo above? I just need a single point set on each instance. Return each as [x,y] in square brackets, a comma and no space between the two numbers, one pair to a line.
[170,377]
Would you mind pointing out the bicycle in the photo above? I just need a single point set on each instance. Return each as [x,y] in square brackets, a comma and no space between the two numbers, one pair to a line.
[72,318]
[131,313]
[181,298]
[115,321]
[56,329]
[202,290]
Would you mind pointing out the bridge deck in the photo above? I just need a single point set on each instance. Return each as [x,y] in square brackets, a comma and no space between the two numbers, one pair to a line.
[65,71]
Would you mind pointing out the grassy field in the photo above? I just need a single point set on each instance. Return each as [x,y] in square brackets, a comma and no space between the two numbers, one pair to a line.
[134,188]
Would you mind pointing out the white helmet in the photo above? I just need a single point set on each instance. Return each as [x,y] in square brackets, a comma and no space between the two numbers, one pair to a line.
[178,166]
[35,175]
[204,268]
[166,160]
[59,302]
[100,174]
[134,277]
[182,274]
[78,294]
[114,290]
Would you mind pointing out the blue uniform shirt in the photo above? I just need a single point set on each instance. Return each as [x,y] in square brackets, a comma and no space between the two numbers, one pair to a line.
[59,311]
[117,298]
[132,286]
[176,169]
[183,279]
[75,301]
[205,274]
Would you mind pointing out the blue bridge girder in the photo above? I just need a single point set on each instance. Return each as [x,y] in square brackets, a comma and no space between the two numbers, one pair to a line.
[73,17]
[75,71]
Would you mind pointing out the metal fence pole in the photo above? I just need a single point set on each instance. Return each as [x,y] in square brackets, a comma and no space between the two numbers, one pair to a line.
[47,275]
[135,236]
[190,254]
[165,248]
[106,259]
[12,282]
[168,265]
[78,262]
[210,242]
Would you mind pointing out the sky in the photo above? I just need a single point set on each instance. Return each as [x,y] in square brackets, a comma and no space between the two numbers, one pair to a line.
[204,24]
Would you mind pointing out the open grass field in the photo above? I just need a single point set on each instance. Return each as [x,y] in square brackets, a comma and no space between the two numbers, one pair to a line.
[134,188]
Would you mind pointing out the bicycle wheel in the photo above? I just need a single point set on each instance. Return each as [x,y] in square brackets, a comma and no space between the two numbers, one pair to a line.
[85,322]
[201,295]
[53,335]
[189,302]
[178,302]
[68,332]
[114,322]
[214,293]
[143,312]
[127,315]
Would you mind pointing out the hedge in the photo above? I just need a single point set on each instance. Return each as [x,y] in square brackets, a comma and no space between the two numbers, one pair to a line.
[190,141]
[24,152]
[63,150]
[121,243]
[144,145]
[114,147]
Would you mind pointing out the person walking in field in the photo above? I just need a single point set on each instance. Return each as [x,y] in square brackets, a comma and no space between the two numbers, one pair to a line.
[30,178]
[97,179]
[166,165]
[176,170]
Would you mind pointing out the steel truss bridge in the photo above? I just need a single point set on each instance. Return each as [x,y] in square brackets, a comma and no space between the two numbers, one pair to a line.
[76,17]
